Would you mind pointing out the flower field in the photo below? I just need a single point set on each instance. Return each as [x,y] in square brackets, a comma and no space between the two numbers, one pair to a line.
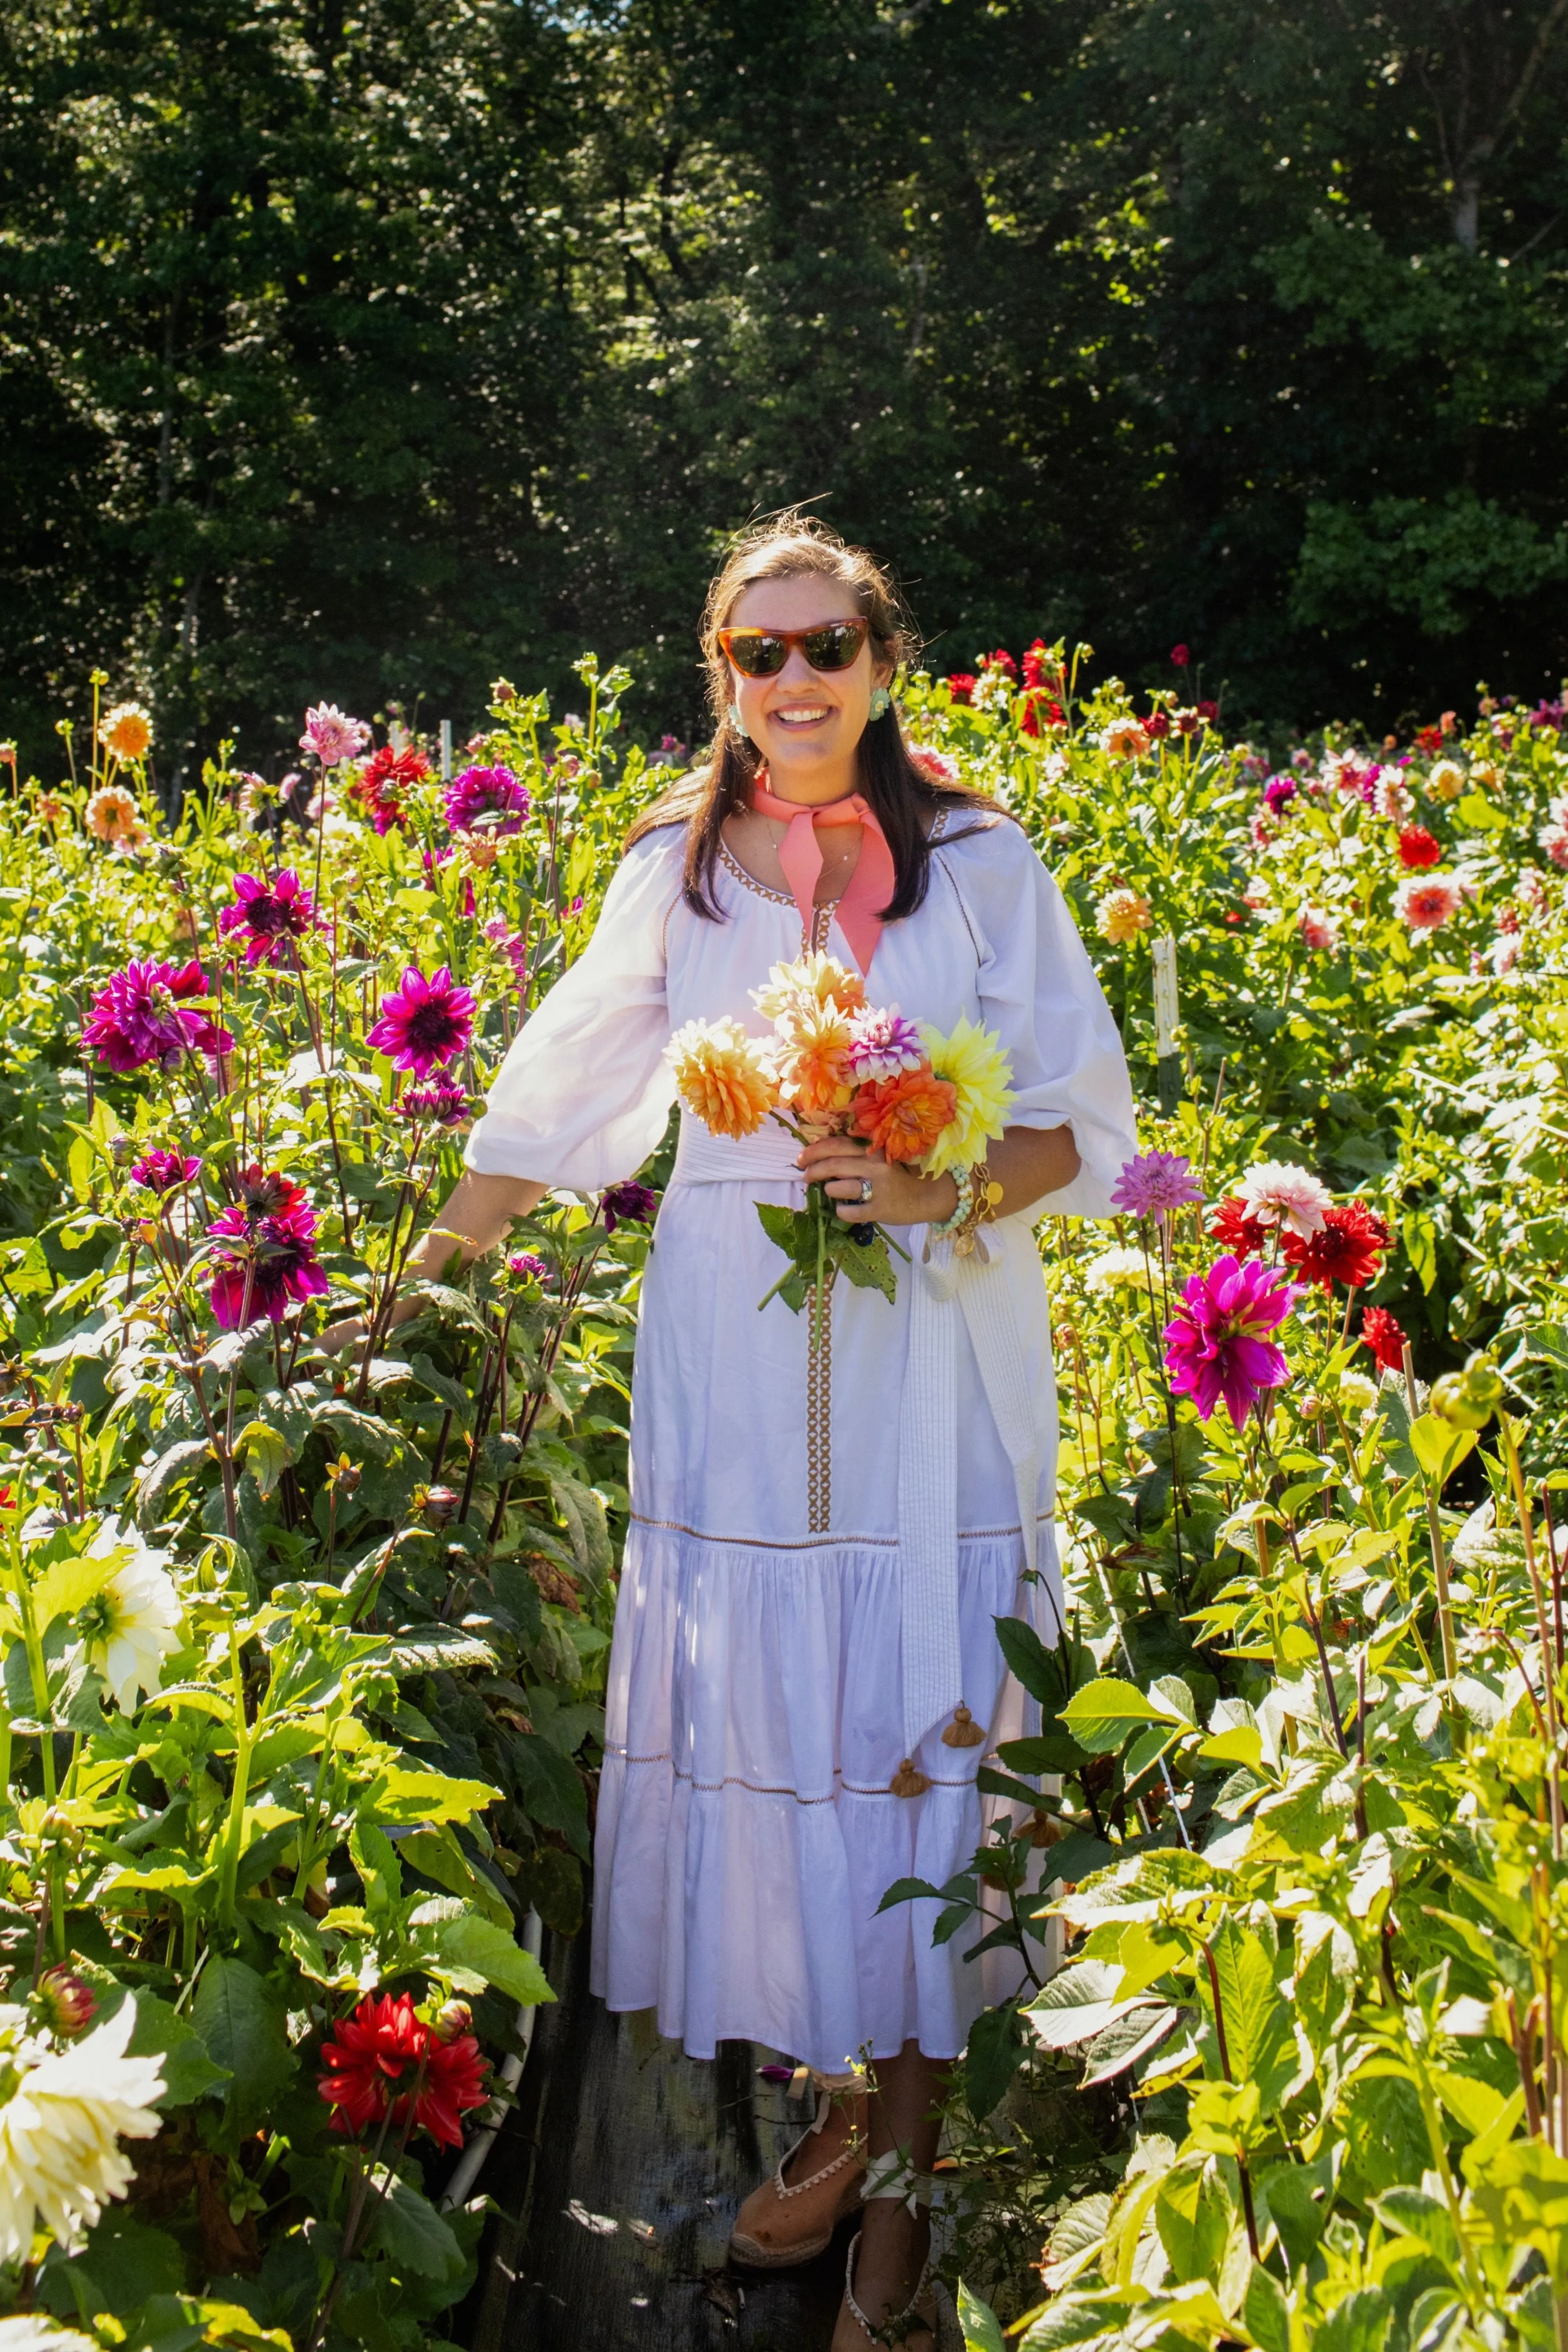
[304,1652]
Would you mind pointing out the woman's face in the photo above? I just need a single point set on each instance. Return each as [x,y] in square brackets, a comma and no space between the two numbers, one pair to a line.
[805,722]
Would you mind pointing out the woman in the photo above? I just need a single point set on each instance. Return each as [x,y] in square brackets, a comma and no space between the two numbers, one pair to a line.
[829,1508]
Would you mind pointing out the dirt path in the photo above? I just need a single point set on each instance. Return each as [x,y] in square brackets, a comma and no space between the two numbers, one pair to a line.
[619,2175]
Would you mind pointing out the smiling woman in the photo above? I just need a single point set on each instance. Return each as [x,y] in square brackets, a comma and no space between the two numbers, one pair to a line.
[830,1506]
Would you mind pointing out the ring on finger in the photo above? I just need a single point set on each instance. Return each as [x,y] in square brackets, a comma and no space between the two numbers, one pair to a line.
[866,1190]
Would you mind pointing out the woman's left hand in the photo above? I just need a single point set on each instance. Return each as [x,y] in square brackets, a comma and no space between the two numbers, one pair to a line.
[897,1196]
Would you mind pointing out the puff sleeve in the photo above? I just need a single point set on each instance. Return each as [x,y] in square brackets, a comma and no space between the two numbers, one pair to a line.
[1039,993]
[583,1096]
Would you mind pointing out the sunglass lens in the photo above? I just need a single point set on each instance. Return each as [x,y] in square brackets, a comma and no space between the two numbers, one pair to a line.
[835,648]
[759,655]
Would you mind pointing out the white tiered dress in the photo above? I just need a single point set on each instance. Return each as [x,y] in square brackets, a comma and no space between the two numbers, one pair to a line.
[826,1513]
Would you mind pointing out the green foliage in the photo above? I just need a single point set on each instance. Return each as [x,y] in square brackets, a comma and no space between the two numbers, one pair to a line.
[404,344]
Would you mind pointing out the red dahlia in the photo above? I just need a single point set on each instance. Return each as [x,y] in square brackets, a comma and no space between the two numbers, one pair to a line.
[1384,1338]
[386,2058]
[1419,848]
[961,685]
[1347,1247]
[1231,1226]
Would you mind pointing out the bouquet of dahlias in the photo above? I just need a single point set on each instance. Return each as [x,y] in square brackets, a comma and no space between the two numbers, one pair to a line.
[835,1064]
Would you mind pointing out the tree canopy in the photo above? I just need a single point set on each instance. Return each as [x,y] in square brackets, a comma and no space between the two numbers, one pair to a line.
[372,346]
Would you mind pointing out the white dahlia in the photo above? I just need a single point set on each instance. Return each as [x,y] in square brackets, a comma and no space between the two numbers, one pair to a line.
[1280,1193]
[60,2159]
[133,1624]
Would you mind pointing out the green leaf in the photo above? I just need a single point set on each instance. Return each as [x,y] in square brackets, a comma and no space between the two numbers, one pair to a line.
[550,1790]
[474,1952]
[67,1585]
[1266,2312]
[159,2032]
[178,1461]
[1101,1717]
[982,2328]
[405,1793]
[414,2236]
[266,1452]
[1438,1447]
[241,2022]
[1194,2216]
[999,2043]
[122,2267]
[1258,2039]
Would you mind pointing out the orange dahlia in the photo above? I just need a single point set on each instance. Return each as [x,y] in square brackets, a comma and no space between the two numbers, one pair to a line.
[812,1058]
[903,1116]
[722,1075]
[815,978]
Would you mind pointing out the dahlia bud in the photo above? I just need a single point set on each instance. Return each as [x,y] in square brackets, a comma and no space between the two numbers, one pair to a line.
[440,1506]
[1452,1401]
[69,2002]
[502,690]
[452,2020]
[122,1150]
[1483,1381]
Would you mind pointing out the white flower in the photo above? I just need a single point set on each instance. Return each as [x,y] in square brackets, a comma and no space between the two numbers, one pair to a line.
[133,1624]
[1115,1266]
[1358,1392]
[33,2331]
[60,2159]
[1280,1193]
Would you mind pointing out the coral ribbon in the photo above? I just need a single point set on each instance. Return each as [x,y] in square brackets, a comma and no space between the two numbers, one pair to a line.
[799,854]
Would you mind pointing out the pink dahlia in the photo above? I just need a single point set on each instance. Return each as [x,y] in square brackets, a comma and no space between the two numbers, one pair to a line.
[424,1022]
[883,1043]
[1279,792]
[1219,1343]
[524,1266]
[142,1016]
[266,1244]
[1317,930]
[332,735]
[1553,839]
[1278,1193]
[491,800]
[1427,904]
[1153,1182]
[163,1171]
[271,914]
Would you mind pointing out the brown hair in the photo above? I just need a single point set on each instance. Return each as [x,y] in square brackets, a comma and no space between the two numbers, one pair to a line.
[899,791]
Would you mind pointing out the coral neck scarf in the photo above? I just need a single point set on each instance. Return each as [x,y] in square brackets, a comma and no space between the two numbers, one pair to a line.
[871,885]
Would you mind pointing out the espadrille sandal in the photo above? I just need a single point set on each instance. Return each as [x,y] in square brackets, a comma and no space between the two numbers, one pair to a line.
[802,2216]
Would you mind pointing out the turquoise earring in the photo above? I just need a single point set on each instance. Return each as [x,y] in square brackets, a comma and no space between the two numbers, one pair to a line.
[736,721]
[881,702]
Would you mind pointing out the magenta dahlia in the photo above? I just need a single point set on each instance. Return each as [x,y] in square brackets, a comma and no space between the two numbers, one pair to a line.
[491,800]
[162,1172]
[424,1022]
[267,1241]
[142,1016]
[1218,1342]
[628,1204]
[272,915]
[439,1104]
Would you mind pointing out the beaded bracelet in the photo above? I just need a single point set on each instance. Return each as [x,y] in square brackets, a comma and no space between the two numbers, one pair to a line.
[978,1200]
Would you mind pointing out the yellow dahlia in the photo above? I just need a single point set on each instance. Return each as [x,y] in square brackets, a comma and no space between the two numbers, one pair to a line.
[1445,780]
[59,2128]
[812,976]
[975,1066]
[127,732]
[722,1075]
[1120,916]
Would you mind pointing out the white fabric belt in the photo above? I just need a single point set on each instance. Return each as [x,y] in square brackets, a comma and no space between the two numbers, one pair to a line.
[768,1157]
[943,1285]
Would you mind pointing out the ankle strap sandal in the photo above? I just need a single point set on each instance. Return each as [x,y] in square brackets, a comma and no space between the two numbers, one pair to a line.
[893,2175]
[920,2311]
[800,2240]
